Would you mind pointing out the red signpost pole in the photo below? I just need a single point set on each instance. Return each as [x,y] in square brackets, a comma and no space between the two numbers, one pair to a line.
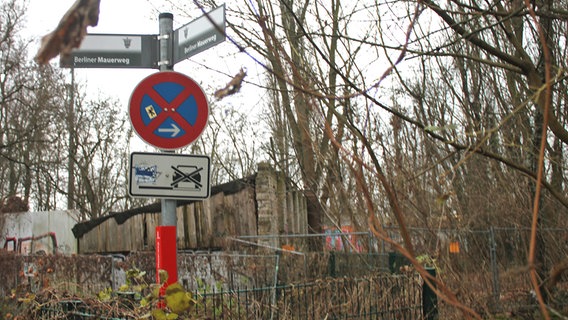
[166,254]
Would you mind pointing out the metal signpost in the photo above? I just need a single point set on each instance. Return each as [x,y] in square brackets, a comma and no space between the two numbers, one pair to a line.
[168,110]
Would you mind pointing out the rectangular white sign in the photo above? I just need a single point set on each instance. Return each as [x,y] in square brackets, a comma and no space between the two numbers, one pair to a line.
[114,51]
[169,176]
[200,34]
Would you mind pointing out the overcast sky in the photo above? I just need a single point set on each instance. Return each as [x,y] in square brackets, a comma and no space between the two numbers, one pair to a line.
[131,17]
[138,17]
[117,17]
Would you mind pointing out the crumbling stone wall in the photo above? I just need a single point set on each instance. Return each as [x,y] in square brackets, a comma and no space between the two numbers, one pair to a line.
[281,210]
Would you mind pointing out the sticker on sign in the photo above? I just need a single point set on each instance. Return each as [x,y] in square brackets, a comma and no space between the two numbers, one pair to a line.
[169,176]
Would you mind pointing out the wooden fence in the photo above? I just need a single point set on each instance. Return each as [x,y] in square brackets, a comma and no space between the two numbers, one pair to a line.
[261,204]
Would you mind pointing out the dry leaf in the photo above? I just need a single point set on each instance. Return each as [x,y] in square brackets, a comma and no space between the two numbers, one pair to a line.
[232,87]
[71,30]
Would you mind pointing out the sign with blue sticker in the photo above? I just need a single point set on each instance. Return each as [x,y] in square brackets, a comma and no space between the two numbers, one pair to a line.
[169,176]
[168,110]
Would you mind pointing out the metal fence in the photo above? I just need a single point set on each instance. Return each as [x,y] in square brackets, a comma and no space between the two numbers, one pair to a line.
[490,267]
[380,297]
[80,274]
[384,296]
[77,309]
[487,268]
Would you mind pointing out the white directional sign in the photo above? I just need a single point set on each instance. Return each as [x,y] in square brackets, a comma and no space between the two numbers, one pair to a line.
[200,34]
[169,176]
[114,51]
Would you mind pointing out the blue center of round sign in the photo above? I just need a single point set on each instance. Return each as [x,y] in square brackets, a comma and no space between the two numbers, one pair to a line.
[168,91]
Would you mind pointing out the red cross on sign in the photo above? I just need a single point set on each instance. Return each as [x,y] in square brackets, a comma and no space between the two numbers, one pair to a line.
[168,110]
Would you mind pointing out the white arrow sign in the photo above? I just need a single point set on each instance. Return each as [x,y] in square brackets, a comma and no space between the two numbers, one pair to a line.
[174,130]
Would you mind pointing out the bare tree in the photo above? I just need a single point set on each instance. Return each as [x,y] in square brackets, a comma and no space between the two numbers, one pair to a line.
[501,95]
[467,81]
[28,112]
[101,163]
[36,126]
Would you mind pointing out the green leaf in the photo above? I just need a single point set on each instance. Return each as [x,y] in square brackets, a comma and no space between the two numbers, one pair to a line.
[155,290]
[123,288]
[28,299]
[177,299]
[105,295]
[159,314]
[163,276]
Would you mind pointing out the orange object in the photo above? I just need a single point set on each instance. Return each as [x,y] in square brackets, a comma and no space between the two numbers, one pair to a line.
[288,247]
[454,247]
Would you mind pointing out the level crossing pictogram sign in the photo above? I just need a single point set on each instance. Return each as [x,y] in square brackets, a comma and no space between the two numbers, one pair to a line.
[168,110]
[169,176]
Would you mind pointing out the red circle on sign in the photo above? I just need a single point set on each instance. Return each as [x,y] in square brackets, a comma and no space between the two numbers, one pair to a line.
[168,110]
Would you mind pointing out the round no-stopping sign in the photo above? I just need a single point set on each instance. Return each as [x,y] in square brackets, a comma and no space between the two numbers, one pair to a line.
[168,110]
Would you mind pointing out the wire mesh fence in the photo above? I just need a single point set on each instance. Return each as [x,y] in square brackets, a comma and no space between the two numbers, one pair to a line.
[379,297]
[81,274]
[487,269]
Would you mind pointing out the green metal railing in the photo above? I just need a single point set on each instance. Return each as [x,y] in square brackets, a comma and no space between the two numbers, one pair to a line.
[382,297]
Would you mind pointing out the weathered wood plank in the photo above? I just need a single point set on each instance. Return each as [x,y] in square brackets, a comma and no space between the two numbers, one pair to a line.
[205,224]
